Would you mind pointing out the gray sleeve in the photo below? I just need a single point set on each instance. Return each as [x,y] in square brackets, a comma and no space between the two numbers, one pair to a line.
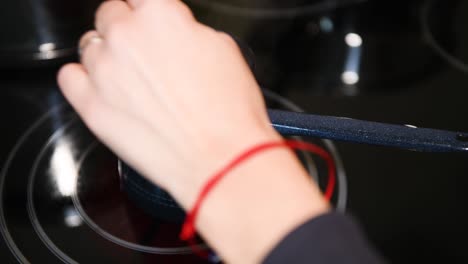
[329,239]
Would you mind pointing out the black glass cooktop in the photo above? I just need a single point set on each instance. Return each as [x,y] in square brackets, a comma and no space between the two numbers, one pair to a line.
[401,62]
[61,194]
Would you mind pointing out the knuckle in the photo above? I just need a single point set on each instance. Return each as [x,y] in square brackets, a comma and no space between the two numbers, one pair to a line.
[173,10]
[182,11]
[228,39]
[103,8]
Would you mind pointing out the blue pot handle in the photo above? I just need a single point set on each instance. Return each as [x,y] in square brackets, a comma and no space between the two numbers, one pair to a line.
[358,131]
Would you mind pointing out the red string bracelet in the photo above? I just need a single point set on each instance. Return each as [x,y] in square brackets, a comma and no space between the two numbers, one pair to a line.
[188,228]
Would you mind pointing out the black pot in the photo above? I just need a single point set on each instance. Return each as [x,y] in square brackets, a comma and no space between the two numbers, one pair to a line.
[38,32]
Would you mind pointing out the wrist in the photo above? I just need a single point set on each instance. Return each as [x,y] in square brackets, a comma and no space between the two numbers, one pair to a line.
[212,156]
[250,210]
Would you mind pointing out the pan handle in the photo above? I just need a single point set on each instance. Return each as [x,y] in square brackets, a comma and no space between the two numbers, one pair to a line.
[367,132]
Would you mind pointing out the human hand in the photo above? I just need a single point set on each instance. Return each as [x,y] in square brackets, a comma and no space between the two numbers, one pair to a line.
[172,97]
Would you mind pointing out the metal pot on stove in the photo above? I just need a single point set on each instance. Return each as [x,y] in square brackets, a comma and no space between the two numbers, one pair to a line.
[38,32]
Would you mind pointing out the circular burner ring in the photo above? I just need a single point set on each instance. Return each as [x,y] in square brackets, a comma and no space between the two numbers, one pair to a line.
[114,239]
[437,47]
[57,135]
[341,203]
[16,148]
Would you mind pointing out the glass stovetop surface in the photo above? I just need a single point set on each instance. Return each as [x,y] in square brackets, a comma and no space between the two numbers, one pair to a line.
[401,62]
